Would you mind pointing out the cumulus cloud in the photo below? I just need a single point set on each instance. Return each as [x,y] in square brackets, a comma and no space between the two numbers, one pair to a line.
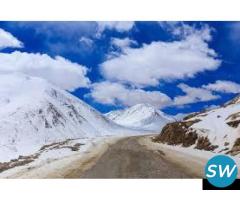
[113,93]
[224,87]
[59,71]
[8,40]
[193,95]
[151,63]
[183,30]
[120,26]
[118,46]
[118,94]
[122,42]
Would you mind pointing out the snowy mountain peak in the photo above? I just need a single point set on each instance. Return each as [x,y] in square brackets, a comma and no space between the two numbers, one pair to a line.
[34,113]
[141,116]
[143,108]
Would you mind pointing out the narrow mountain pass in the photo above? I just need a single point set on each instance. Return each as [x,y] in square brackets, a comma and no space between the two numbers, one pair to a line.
[127,158]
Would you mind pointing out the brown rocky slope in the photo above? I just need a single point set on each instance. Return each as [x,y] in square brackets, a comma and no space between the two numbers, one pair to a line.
[216,130]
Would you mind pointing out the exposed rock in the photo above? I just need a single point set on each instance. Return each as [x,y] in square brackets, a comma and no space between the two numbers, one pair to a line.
[233,116]
[181,133]
[226,143]
[22,160]
[203,143]
[226,149]
[237,143]
[236,148]
[176,133]
[234,124]
[61,145]
[47,125]
[52,145]
[57,117]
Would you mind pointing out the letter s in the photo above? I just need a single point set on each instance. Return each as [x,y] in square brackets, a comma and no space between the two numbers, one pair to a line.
[212,171]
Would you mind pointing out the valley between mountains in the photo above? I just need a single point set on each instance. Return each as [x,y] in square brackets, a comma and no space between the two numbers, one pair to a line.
[48,133]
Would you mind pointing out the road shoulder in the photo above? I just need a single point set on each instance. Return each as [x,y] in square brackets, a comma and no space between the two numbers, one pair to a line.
[190,162]
[62,167]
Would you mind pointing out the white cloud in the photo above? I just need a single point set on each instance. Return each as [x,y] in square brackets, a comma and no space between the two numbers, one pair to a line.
[122,43]
[113,93]
[183,30]
[223,86]
[59,71]
[120,26]
[118,46]
[193,95]
[118,94]
[88,42]
[8,40]
[148,65]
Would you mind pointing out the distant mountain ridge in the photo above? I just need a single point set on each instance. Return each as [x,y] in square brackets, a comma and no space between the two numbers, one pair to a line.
[140,116]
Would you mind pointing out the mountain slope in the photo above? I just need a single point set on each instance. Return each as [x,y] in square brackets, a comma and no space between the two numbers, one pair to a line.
[140,116]
[216,130]
[34,113]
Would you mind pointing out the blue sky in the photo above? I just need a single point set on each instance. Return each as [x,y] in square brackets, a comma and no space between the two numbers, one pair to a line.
[179,67]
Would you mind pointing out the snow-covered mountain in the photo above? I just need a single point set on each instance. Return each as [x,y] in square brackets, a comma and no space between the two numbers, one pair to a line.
[216,130]
[34,113]
[140,116]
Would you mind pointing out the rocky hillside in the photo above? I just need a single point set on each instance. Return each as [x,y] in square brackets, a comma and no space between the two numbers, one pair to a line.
[216,130]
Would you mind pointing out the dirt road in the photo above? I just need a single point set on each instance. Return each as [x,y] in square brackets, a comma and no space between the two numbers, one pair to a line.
[128,159]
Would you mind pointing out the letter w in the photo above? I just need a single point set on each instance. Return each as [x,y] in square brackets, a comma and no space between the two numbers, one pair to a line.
[226,170]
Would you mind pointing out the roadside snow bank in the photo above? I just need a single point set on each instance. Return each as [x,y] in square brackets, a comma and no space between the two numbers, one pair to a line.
[57,162]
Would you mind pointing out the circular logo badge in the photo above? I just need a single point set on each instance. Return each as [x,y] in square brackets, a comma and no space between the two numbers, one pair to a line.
[221,171]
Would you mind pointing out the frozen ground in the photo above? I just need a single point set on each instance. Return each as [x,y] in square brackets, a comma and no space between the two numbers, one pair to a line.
[115,157]
[57,162]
